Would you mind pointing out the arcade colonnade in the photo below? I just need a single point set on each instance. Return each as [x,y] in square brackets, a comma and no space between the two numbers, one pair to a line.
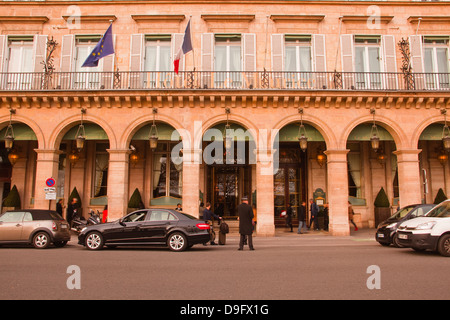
[120,122]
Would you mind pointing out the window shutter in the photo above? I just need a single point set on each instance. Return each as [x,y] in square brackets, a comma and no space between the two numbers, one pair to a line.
[67,48]
[108,68]
[416,49]
[347,56]
[136,60]
[207,62]
[390,61]
[319,61]
[39,56]
[249,59]
[3,55]
[277,52]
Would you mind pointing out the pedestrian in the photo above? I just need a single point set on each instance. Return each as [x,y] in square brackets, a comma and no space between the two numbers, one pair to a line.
[326,218]
[200,210]
[245,213]
[208,215]
[351,214]
[301,217]
[105,214]
[314,215]
[60,207]
[178,208]
[255,219]
[72,210]
[289,214]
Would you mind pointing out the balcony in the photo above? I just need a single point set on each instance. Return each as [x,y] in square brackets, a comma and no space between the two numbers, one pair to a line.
[261,80]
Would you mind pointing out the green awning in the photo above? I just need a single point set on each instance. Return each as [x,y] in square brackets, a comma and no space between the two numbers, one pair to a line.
[363,132]
[164,132]
[289,133]
[93,132]
[21,132]
[432,132]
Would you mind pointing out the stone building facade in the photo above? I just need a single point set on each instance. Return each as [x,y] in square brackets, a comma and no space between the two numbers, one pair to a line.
[271,70]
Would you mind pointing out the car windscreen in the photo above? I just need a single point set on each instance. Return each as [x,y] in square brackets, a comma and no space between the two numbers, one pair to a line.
[401,213]
[441,211]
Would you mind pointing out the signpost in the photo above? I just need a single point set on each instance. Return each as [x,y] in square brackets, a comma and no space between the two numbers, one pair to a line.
[50,191]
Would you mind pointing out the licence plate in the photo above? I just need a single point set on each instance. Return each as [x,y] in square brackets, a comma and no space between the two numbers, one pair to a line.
[403,236]
[380,235]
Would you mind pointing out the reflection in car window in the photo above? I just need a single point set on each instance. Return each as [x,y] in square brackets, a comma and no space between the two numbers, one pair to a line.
[27,217]
[135,216]
[441,211]
[12,217]
[161,216]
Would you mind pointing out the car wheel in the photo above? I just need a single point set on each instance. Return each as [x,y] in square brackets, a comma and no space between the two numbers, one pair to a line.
[41,240]
[444,245]
[177,242]
[395,242]
[94,241]
[60,244]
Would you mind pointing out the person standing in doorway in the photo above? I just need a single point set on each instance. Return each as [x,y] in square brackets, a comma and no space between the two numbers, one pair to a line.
[60,207]
[314,215]
[72,210]
[301,217]
[289,215]
[245,213]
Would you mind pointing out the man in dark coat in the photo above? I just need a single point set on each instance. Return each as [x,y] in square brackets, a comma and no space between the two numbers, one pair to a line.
[245,212]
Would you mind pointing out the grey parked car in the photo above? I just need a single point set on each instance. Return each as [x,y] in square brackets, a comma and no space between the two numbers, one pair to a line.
[37,227]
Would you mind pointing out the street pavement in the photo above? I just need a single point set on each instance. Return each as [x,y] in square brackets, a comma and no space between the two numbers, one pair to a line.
[285,267]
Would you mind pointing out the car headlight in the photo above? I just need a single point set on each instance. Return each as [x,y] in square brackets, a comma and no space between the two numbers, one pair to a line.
[392,225]
[82,230]
[426,225]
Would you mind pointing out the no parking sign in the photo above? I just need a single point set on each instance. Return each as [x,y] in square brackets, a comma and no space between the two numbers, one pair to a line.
[50,182]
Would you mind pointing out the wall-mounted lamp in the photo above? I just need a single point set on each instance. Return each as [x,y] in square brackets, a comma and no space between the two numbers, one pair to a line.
[445,132]
[227,138]
[80,137]
[301,136]
[9,133]
[374,135]
[153,135]
[321,157]
[13,156]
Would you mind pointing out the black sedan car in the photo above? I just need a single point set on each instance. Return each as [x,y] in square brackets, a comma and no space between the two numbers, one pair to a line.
[174,229]
[387,230]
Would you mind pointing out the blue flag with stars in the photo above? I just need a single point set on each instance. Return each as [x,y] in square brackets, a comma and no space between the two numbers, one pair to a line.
[103,48]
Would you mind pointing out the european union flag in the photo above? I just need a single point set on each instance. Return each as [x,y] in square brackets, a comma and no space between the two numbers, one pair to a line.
[103,48]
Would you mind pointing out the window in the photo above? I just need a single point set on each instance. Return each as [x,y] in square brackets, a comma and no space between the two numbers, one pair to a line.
[101,170]
[160,215]
[354,170]
[436,62]
[86,78]
[167,176]
[227,60]
[297,60]
[12,217]
[20,60]
[157,59]
[367,62]
[137,216]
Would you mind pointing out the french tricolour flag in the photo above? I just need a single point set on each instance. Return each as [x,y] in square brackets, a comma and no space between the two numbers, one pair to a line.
[185,47]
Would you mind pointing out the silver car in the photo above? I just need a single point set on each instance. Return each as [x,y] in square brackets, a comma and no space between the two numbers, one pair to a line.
[37,227]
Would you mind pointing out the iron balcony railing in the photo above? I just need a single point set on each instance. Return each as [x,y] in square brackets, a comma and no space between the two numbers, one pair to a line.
[270,80]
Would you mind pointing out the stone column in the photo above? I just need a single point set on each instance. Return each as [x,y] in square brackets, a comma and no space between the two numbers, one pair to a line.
[409,180]
[191,181]
[264,193]
[118,183]
[338,192]
[46,167]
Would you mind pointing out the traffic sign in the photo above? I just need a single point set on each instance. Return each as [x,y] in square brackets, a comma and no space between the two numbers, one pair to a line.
[50,182]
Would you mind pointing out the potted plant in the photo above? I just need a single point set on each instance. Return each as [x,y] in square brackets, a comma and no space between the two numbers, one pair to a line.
[12,201]
[74,194]
[135,201]
[440,197]
[382,207]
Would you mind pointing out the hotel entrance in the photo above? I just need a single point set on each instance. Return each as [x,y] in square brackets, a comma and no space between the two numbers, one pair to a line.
[227,184]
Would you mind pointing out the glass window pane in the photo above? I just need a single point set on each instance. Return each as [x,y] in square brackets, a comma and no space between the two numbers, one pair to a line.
[359,59]
[428,60]
[235,58]
[150,58]
[305,59]
[442,63]
[374,59]
[164,59]
[220,62]
[290,60]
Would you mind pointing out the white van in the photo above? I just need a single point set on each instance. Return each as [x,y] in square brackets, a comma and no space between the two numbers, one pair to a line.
[430,232]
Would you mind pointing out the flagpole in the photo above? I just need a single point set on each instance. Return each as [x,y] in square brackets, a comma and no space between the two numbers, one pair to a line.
[193,53]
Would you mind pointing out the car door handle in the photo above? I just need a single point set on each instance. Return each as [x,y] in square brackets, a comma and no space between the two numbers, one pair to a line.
[18,225]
